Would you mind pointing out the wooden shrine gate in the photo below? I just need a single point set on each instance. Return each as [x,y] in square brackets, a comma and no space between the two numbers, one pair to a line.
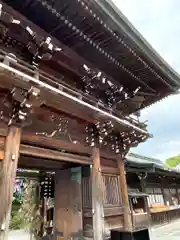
[67,168]
[60,102]
[89,199]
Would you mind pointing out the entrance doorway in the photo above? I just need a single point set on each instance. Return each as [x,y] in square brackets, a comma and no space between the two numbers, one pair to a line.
[59,201]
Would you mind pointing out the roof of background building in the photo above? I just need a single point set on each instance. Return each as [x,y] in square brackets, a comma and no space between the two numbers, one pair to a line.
[143,159]
[139,161]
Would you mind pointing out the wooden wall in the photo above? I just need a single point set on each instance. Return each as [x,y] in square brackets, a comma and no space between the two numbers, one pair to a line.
[112,201]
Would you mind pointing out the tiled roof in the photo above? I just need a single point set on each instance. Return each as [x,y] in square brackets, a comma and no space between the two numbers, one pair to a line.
[133,158]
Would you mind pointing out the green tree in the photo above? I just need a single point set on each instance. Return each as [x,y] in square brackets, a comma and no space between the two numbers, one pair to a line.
[26,214]
[173,161]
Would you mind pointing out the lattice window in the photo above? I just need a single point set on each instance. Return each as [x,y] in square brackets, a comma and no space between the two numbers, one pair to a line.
[86,192]
[112,192]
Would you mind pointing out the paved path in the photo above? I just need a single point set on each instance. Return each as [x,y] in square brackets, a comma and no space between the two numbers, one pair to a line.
[18,235]
[166,232]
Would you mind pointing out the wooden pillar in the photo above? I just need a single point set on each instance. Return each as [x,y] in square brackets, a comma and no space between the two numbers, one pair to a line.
[97,197]
[8,175]
[177,196]
[163,185]
[124,194]
[43,212]
[68,205]
[143,185]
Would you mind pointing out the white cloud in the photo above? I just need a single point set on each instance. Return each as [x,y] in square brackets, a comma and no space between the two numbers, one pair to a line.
[158,21]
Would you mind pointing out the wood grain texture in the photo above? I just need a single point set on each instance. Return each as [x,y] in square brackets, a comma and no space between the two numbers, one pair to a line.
[8,170]
[124,193]
[30,138]
[97,196]
[68,204]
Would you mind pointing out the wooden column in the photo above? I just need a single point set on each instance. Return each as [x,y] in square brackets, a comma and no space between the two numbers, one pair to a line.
[163,185]
[68,205]
[43,212]
[97,197]
[8,175]
[178,195]
[143,185]
[124,193]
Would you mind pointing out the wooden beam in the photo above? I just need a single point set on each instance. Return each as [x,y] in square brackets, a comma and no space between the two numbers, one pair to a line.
[110,170]
[29,162]
[58,144]
[43,152]
[53,155]
[8,174]
[124,194]
[97,196]
[31,175]
[29,138]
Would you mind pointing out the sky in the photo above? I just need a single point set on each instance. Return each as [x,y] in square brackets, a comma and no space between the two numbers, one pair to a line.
[158,21]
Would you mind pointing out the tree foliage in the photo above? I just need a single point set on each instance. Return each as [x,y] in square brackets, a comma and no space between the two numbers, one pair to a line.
[30,210]
[173,161]
[16,220]
[25,214]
